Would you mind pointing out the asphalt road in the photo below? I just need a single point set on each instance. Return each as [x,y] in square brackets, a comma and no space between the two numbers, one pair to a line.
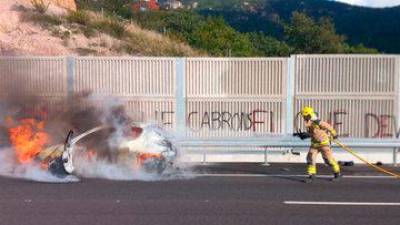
[248,195]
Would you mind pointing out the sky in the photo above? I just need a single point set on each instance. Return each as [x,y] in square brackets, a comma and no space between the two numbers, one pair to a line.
[372,3]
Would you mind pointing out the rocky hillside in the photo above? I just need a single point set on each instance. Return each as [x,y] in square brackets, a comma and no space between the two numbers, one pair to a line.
[61,30]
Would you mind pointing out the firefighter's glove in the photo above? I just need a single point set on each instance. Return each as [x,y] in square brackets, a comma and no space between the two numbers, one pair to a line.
[334,137]
[302,135]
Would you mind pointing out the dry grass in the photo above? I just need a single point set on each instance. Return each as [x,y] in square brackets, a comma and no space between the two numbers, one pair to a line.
[79,17]
[112,35]
[40,6]
[144,42]
[135,40]
[44,20]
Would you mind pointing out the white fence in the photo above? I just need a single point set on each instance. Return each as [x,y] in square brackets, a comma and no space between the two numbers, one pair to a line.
[147,85]
[358,94]
[235,97]
[228,97]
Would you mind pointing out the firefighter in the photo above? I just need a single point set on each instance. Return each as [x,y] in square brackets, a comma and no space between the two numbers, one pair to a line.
[321,134]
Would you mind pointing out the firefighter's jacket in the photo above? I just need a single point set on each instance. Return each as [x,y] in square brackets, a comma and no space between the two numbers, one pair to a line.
[319,131]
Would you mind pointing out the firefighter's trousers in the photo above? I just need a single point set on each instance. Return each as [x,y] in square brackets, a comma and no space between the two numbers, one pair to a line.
[326,152]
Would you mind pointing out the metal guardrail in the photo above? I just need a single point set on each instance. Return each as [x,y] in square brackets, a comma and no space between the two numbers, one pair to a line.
[286,142]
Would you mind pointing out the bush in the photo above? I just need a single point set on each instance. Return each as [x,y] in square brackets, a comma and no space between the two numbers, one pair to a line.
[308,36]
[79,17]
[268,46]
[40,6]
[360,49]
[219,39]
[111,27]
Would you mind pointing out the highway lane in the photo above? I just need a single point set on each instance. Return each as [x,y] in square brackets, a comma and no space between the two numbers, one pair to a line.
[239,198]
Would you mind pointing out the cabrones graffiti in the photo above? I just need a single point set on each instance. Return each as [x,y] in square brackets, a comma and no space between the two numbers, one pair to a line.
[234,121]
[262,120]
[216,120]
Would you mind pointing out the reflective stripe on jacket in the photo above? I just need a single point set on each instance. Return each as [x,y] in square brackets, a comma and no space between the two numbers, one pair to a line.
[319,131]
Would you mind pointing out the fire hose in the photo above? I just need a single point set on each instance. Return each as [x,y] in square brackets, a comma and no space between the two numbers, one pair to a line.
[347,149]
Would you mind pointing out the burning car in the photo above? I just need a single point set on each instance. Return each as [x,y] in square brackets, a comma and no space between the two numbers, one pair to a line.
[140,147]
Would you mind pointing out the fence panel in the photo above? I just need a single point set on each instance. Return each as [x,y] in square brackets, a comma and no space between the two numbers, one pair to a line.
[40,76]
[235,97]
[37,84]
[356,93]
[146,85]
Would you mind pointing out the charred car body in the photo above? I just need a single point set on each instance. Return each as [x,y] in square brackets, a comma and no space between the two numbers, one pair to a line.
[144,147]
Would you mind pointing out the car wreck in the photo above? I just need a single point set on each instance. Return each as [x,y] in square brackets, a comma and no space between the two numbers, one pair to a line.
[141,147]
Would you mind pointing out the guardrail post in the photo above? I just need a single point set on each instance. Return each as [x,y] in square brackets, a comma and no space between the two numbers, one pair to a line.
[180,97]
[70,70]
[266,156]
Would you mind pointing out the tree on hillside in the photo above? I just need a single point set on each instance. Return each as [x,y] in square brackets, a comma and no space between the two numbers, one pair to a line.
[219,39]
[119,7]
[360,49]
[182,24]
[268,46]
[308,36]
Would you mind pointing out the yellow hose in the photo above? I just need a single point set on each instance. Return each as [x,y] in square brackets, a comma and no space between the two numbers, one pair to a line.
[365,161]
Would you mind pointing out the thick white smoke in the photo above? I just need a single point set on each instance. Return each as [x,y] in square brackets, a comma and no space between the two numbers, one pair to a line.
[110,113]
[30,171]
[79,112]
[150,141]
[100,168]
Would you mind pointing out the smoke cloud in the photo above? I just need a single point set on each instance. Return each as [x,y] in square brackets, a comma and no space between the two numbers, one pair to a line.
[79,113]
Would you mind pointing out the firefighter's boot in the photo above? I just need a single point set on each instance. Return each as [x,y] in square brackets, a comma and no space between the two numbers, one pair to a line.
[310,178]
[337,176]
[311,171]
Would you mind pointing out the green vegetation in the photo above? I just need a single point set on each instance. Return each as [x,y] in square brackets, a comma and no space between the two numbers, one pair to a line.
[116,7]
[377,28]
[268,46]
[224,4]
[218,39]
[79,17]
[110,26]
[307,36]
[211,33]
[359,49]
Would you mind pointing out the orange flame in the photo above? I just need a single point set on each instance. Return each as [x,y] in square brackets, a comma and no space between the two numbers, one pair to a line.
[144,156]
[28,139]
[90,154]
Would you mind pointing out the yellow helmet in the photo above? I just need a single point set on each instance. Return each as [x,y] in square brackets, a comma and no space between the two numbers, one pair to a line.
[307,111]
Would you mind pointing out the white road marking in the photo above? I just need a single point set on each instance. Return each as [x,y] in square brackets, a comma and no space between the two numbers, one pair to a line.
[343,203]
[288,175]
